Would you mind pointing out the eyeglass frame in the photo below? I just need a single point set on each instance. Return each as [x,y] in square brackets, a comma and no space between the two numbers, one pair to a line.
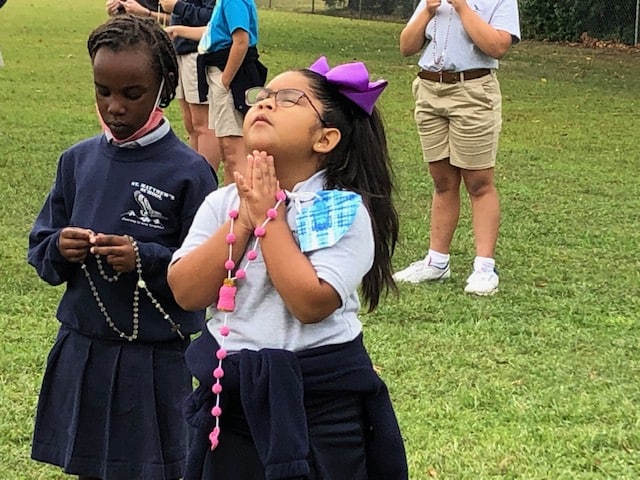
[274,94]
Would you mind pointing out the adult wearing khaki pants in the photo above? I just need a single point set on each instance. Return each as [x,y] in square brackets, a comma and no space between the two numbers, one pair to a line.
[459,116]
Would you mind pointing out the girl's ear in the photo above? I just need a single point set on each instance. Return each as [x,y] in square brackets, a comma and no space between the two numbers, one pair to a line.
[329,138]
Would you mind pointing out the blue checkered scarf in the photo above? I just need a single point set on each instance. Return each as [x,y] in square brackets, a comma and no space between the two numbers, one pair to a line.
[325,222]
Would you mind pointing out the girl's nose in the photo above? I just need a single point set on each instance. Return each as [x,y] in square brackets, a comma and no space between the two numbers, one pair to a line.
[116,107]
[268,102]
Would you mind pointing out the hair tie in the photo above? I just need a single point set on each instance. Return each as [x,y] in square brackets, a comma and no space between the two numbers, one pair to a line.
[352,80]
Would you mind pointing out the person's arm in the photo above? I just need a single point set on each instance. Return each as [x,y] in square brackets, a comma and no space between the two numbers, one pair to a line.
[56,255]
[308,298]
[189,13]
[491,41]
[134,8]
[412,37]
[196,277]
[239,48]
[192,33]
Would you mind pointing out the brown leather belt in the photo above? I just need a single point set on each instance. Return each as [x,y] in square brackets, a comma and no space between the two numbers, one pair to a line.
[453,77]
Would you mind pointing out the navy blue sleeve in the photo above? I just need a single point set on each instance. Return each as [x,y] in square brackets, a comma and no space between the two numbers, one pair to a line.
[43,253]
[192,14]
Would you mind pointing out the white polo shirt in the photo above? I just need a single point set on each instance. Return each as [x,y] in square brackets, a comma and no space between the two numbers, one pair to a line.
[448,45]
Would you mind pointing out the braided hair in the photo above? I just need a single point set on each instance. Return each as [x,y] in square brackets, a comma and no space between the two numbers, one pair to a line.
[127,31]
[360,163]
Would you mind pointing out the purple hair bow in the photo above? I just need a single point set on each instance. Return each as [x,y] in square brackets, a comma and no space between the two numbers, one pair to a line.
[352,80]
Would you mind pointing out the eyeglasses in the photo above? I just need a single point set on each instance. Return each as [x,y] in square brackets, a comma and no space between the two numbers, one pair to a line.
[286,98]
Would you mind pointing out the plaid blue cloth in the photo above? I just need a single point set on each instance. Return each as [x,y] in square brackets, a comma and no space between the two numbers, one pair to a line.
[326,221]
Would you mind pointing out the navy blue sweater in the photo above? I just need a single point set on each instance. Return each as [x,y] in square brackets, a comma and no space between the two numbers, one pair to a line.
[150,193]
[272,385]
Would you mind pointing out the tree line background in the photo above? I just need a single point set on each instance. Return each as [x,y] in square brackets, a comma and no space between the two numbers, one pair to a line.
[559,20]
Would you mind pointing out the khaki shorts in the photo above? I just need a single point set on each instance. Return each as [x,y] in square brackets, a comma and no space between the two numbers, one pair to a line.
[223,116]
[187,88]
[459,121]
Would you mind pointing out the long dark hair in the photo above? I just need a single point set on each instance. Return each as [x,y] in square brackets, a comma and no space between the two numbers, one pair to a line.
[361,163]
[127,31]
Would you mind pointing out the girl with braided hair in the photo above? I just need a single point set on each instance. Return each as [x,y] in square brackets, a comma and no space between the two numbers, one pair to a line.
[122,202]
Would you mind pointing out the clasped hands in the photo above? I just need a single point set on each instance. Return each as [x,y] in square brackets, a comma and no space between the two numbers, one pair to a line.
[257,190]
[432,5]
[76,243]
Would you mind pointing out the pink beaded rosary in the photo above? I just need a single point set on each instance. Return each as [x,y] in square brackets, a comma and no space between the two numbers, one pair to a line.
[226,301]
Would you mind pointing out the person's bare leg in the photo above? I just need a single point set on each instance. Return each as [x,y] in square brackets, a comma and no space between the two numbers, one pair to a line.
[485,209]
[188,124]
[445,205]
[206,141]
[234,156]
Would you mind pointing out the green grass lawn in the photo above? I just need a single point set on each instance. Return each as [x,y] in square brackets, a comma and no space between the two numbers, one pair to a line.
[540,381]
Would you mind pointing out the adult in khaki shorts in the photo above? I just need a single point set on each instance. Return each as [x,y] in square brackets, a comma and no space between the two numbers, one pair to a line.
[459,116]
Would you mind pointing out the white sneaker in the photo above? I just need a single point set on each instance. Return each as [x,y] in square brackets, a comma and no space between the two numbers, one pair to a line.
[482,283]
[422,271]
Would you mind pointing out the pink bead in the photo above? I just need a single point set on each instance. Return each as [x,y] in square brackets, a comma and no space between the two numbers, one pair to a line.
[241,274]
[216,389]
[218,372]
[226,298]
[259,232]
[216,431]
[230,238]
[216,411]
[281,196]
[252,255]
[272,213]
[224,330]
[214,441]
[229,264]
[221,354]
[233,214]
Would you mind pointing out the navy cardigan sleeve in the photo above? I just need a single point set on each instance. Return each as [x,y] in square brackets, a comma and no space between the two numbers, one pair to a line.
[194,14]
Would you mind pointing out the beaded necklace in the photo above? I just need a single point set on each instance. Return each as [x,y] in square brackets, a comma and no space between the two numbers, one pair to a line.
[226,300]
[438,60]
[140,284]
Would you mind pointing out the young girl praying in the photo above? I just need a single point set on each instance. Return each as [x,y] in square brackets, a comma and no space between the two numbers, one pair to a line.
[110,406]
[287,389]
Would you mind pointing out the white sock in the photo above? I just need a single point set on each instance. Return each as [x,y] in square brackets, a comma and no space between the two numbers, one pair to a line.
[437,259]
[484,264]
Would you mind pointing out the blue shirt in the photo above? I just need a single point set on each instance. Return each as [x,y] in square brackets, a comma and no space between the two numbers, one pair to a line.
[229,16]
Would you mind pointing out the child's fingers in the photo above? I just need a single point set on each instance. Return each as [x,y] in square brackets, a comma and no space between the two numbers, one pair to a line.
[241,184]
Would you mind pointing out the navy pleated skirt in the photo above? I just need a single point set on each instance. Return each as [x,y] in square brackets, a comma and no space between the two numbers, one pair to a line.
[113,410]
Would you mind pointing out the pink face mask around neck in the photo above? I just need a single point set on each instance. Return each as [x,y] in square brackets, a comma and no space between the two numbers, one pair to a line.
[155,117]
